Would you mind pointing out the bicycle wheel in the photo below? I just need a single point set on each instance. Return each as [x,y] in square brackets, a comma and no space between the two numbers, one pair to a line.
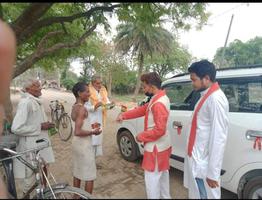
[52,116]
[66,193]
[65,128]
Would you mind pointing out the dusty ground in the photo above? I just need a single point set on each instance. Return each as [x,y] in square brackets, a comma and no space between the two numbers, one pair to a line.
[117,178]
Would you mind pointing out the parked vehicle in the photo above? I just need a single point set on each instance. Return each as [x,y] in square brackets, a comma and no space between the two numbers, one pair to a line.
[242,165]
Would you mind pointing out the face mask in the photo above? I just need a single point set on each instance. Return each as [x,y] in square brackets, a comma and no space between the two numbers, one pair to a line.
[201,90]
[149,94]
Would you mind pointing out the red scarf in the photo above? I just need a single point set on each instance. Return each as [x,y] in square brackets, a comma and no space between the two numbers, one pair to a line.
[214,87]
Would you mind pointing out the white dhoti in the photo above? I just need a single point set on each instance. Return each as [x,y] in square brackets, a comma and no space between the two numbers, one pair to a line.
[84,166]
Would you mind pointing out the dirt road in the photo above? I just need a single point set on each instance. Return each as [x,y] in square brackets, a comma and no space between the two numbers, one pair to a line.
[117,178]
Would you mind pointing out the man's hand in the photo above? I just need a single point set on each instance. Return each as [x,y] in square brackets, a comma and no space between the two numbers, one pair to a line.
[119,118]
[97,131]
[47,125]
[211,183]
[98,104]
[137,138]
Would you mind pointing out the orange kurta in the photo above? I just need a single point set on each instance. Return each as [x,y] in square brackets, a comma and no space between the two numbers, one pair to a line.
[94,99]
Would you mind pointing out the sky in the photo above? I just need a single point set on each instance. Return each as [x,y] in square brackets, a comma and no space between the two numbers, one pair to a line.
[203,43]
[246,25]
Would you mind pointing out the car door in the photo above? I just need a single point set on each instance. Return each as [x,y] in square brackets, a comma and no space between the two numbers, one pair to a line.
[182,100]
[245,119]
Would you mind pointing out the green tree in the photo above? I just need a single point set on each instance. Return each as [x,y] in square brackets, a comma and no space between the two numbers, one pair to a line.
[68,78]
[88,56]
[239,53]
[177,61]
[144,36]
[106,64]
[50,33]
[141,30]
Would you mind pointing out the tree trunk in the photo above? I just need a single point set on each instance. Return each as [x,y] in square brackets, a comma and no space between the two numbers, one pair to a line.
[140,71]
[109,84]
[30,16]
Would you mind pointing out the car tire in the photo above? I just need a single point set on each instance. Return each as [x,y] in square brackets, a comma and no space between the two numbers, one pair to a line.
[253,188]
[127,146]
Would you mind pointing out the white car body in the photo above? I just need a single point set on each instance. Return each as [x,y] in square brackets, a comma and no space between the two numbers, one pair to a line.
[241,161]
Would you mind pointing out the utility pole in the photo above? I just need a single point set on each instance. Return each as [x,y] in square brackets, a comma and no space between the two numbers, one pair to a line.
[224,48]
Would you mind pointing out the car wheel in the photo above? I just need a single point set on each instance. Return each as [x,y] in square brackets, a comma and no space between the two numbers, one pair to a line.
[253,188]
[127,146]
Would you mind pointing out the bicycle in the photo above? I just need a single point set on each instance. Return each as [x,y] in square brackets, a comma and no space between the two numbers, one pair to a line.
[58,190]
[61,120]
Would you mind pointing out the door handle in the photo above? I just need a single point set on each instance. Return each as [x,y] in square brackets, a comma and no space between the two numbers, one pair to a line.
[177,124]
[252,135]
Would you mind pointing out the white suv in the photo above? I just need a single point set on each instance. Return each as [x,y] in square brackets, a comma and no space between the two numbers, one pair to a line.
[242,166]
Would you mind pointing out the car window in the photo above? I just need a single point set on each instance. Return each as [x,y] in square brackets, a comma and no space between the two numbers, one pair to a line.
[181,96]
[244,95]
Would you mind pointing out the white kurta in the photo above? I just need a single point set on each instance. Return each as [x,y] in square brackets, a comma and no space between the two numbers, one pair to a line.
[96,116]
[209,146]
[27,125]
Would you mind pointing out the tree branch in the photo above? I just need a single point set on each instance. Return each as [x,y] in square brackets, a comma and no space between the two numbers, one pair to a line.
[40,52]
[69,45]
[45,38]
[64,28]
[30,30]
[29,16]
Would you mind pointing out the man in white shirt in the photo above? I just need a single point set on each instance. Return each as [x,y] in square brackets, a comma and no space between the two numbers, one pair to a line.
[30,124]
[96,111]
[208,134]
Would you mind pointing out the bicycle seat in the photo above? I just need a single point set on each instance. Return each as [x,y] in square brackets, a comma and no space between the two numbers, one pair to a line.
[7,141]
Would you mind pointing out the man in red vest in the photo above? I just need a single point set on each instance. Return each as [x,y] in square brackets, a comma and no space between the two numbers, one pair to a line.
[208,134]
[156,139]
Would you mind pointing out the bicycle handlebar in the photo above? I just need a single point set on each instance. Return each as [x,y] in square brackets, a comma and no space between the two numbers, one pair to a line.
[18,154]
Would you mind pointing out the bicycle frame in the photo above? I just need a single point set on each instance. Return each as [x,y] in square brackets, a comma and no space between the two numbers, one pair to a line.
[58,107]
[39,186]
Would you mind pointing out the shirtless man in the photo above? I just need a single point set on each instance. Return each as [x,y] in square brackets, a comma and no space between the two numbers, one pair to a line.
[84,166]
